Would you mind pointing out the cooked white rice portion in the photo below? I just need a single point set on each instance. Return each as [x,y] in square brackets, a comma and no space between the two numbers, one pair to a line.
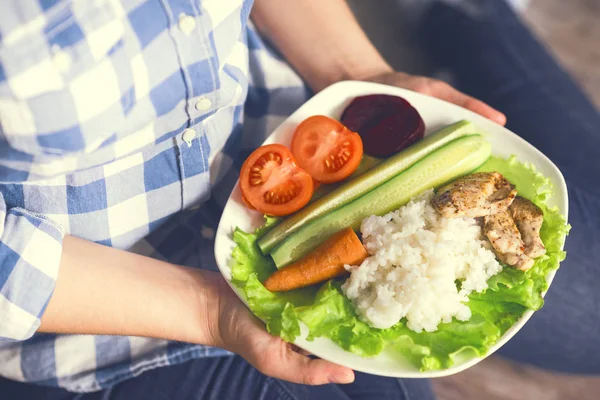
[416,256]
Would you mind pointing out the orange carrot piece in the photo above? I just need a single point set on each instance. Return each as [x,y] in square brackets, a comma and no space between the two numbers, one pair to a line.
[325,262]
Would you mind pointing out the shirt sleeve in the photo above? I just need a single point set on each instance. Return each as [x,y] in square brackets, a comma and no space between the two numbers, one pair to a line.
[30,253]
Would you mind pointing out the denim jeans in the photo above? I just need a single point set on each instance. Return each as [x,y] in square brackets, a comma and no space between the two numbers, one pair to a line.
[495,58]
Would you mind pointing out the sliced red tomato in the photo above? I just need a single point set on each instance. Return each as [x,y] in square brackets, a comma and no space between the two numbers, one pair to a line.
[273,183]
[326,149]
[247,203]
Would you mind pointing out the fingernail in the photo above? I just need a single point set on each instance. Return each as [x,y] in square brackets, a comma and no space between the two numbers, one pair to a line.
[342,376]
[501,119]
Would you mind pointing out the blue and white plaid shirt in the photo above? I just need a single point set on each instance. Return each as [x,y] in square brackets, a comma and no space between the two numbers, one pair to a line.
[117,121]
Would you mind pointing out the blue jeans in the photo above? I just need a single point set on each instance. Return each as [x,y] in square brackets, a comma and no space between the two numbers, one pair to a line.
[495,58]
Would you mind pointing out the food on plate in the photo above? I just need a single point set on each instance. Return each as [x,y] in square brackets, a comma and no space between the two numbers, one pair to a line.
[321,190]
[453,160]
[352,189]
[507,219]
[366,163]
[326,149]
[247,203]
[529,219]
[475,195]
[325,262]
[502,232]
[515,233]
[272,182]
[434,284]
[386,123]
[416,256]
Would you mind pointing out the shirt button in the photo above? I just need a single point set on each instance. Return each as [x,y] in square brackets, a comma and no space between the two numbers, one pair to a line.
[188,135]
[203,104]
[187,23]
[61,60]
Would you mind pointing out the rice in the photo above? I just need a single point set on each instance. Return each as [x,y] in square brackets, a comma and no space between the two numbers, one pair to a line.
[416,257]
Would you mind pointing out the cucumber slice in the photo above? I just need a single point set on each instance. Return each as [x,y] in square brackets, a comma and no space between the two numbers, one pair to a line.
[362,184]
[445,164]
[366,164]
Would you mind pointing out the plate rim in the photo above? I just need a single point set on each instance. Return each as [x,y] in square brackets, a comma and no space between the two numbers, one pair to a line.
[377,88]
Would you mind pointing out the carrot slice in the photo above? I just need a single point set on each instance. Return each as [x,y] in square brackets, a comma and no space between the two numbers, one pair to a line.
[325,262]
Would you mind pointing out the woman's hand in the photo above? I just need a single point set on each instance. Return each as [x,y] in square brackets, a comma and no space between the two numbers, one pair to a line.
[335,48]
[241,332]
[439,89]
[101,290]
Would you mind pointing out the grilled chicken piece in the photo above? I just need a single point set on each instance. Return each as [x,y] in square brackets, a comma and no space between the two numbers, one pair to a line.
[475,195]
[529,218]
[502,232]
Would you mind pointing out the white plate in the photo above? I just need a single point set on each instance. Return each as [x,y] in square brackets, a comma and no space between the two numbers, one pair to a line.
[436,114]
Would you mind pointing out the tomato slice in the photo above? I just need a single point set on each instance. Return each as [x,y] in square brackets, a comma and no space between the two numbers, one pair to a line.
[247,203]
[273,183]
[326,149]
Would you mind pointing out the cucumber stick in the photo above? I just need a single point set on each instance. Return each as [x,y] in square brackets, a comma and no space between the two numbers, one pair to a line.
[455,159]
[365,182]
[366,164]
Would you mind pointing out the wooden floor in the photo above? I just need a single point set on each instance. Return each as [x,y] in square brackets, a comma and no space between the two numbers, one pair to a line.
[498,379]
[571,29]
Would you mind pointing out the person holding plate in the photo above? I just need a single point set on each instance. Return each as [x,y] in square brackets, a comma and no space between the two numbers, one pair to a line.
[123,125]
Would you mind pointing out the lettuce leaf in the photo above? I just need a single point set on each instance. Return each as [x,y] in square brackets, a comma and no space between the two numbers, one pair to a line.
[328,313]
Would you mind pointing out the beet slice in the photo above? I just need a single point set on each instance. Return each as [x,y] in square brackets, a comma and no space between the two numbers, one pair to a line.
[364,112]
[386,124]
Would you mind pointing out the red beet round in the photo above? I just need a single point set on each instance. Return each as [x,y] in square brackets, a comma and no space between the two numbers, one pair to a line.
[386,124]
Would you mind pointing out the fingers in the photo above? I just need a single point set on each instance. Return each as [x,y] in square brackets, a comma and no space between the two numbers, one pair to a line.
[441,90]
[300,350]
[278,359]
[246,336]
[297,368]
[483,109]
[454,96]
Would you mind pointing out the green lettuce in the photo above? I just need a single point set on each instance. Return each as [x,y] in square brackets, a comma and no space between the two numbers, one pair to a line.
[328,313]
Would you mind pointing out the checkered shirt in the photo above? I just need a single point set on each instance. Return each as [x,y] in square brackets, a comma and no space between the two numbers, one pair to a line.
[120,122]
